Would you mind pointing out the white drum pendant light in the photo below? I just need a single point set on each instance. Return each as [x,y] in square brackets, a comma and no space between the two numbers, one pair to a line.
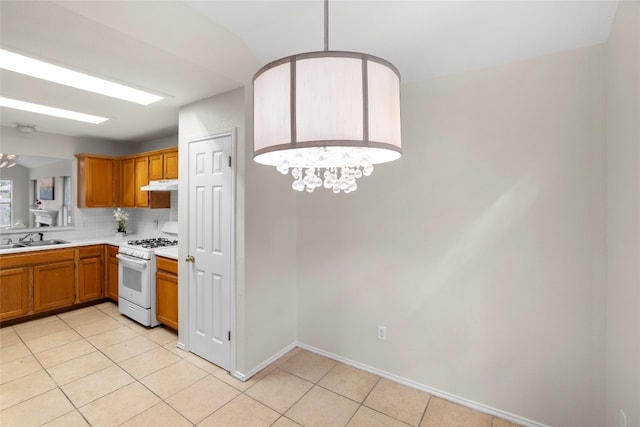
[326,116]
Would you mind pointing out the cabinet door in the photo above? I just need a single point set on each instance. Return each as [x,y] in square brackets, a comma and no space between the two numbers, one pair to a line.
[90,279]
[100,182]
[128,183]
[53,285]
[97,181]
[167,292]
[142,179]
[156,167]
[171,165]
[14,293]
[112,273]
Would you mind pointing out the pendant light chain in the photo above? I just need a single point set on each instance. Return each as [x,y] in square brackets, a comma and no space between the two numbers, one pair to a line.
[326,25]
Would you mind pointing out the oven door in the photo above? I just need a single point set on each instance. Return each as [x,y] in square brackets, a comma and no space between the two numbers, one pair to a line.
[134,280]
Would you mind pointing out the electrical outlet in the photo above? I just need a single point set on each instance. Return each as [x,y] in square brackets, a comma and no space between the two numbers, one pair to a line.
[382,333]
[622,420]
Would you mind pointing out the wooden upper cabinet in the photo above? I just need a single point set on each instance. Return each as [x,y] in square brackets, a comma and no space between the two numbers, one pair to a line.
[105,181]
[98,181]
[171,164]
[156,167]
[141,179]
[164,165]
[128,195]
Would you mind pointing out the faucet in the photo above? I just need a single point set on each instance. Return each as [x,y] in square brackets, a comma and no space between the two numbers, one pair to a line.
[30,237]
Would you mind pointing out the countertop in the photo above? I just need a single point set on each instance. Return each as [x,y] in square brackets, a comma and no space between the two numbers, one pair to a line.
[167,252]
[104,240]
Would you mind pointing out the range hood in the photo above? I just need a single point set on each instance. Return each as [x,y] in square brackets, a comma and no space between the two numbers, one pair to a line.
[162,185]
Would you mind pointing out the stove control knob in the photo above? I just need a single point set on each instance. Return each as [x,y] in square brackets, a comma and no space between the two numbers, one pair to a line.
[191,258]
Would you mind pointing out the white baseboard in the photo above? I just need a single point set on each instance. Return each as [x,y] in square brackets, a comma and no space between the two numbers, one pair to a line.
[525,422]
[245,376]
[432,391]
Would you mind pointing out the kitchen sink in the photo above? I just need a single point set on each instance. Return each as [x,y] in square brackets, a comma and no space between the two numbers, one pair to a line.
[38,243]
[35,243]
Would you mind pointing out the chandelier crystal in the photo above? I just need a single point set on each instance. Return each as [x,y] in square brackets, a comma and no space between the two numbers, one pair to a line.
[334,168]
[327,117]
[8,160]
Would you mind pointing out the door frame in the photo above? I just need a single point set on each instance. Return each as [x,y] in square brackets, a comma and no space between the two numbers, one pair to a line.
[183,243]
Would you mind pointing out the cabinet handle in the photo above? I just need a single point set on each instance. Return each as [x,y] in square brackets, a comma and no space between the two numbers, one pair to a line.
[191,259]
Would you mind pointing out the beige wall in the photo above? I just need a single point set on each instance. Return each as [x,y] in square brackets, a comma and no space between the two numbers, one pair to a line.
[270,256]
[157,144]
[623,221]
[482,250]
[265,243]
[60,146]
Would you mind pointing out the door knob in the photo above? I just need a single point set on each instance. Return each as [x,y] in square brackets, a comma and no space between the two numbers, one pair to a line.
[191,259]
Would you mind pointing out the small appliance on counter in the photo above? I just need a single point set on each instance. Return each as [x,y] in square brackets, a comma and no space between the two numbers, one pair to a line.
[137,275]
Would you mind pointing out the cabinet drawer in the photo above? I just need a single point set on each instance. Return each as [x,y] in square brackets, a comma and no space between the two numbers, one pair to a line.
[39,257]
[90,251]
[167,264]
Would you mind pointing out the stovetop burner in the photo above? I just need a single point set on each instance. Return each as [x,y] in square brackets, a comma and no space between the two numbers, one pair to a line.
[158,242]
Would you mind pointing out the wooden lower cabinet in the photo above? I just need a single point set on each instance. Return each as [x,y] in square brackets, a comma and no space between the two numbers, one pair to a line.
[37,282]
[14,292]
[90,273]
[53,285]
[112,273]
[167,291]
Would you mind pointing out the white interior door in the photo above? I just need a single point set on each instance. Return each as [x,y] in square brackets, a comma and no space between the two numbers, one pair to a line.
[210,233]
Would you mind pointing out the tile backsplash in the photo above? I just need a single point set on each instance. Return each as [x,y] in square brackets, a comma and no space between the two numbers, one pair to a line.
[100,222]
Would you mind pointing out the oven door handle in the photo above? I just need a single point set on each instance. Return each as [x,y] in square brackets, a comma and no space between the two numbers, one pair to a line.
[127,260]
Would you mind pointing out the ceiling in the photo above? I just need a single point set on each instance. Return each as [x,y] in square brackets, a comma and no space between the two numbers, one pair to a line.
[190,50]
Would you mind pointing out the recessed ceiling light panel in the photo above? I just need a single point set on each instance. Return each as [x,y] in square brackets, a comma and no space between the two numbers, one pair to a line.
[50,111]
[53,73]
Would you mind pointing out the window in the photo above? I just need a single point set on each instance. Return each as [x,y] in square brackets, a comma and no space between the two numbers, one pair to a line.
[66,197]
[6,199]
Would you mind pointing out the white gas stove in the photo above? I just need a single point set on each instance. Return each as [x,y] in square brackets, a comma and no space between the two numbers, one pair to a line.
[137,275]
[144,248]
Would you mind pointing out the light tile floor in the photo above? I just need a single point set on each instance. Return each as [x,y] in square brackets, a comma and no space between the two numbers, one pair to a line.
[96,367]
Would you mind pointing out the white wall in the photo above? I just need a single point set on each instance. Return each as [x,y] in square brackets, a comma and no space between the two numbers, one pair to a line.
[482,250]
[623,221]
[265,233]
